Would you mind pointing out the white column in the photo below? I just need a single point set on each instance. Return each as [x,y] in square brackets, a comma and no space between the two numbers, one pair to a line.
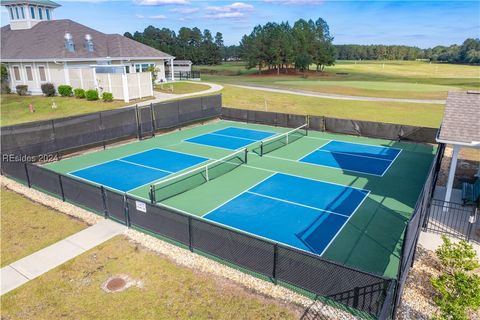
[140,85]
[171,69]
[125,88]
[451,173]
[81,77]
[67,76]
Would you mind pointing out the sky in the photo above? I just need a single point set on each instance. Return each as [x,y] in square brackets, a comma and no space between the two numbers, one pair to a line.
[417,23]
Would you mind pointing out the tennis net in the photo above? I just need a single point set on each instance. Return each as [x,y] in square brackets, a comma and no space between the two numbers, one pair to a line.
[276,142]
[194,178]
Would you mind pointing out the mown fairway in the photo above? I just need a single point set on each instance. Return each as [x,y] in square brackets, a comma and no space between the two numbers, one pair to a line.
[390,79]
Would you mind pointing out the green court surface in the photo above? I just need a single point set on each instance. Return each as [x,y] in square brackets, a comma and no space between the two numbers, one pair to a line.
[371,237]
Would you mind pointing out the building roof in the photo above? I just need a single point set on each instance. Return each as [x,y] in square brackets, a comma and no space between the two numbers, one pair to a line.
[45,42]
[46,3]
[461,118]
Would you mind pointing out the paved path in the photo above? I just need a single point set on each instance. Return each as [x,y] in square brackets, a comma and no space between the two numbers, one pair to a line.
[334,96]
[36,264]
[162,96]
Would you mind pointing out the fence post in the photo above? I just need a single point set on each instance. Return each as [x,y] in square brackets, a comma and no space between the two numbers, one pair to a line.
[153,120]
[139,126]
[102,129]
[28,177]
[356,293]
[126,210]
[61,187]
[275,254]
[190,245]
[104,200]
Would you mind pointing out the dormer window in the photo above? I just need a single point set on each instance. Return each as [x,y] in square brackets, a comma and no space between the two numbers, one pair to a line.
[69,45]
[40,13]
[89,43]
[32,12]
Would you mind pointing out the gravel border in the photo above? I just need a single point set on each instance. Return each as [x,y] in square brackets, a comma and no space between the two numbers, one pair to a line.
[184,257]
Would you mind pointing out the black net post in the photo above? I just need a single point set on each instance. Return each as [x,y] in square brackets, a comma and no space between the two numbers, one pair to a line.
[61,187]
[152,194]
[102,130]
[26,174]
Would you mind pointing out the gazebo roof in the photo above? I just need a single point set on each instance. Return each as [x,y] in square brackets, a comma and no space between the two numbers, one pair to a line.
[461,119]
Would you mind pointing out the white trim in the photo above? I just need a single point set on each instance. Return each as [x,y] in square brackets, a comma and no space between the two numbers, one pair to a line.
[31,72]
[66,74]
[81,77]
[451,172]
[44,72]
[48,75]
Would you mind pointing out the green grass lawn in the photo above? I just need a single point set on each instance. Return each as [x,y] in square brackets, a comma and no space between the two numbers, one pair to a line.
[14,108]
[425,115]
[28,227]
[181,87]
[393,79]
[166,291]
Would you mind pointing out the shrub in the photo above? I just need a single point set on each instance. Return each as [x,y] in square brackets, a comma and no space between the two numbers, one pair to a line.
[65,90]
[107,96]
[5,88]
[22,89]
[79,93]
[48,89]
[458,287]
[91,95]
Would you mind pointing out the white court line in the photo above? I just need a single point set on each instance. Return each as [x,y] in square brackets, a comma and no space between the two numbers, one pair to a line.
[212,146]
[295,203]
[360,143]
[142,165]
[94,183]
[238,195]
[391,163]
[234,137]
[351,154]
[339,230]
[248,129]
[357,155]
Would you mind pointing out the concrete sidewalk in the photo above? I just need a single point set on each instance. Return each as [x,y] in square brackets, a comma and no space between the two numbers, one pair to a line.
[40,262]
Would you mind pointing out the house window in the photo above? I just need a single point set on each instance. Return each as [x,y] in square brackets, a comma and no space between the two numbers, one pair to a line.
[22,12]
[40,14]
[32,12]
[28,70]
[11,14]
[143,67]
[16,73]
[16,11]
[127,69]
[41,72]
[47,12]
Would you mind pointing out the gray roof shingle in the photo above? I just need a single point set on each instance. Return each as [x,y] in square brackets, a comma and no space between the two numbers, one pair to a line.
[45,41]
[461,119]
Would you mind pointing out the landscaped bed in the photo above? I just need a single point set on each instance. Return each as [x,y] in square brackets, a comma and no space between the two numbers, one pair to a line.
[181,87]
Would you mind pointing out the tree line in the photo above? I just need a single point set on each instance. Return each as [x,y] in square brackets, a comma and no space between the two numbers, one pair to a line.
[280,46]
[467,52]
[188,44]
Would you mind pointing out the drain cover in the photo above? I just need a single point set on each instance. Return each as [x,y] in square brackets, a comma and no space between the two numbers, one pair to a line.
[116,284]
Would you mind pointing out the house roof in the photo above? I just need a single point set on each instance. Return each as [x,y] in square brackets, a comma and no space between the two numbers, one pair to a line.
[461,118]
[46,3]
[45,42]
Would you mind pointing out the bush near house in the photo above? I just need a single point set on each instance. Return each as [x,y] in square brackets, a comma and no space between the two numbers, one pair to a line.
[91,95]
[107,96]
[458,287]
[79,93]
[4,87]
[48,89]
[65,90]
[22,89]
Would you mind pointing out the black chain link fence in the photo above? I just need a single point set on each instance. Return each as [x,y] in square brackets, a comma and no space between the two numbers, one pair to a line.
[370,294]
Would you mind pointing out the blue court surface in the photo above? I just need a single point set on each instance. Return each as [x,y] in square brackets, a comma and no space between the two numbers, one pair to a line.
[281,209]
[133,171]
[231,138]
[354,157]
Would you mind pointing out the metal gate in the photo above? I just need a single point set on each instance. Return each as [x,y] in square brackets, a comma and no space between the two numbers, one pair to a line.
[453,219]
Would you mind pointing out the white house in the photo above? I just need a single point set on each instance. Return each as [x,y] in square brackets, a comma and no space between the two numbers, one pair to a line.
[37,49]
